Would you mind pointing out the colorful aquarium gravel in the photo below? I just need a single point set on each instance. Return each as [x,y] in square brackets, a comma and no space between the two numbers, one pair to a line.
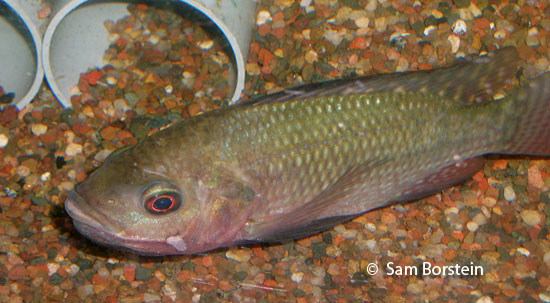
[493,229]
[158,63]
[6,97]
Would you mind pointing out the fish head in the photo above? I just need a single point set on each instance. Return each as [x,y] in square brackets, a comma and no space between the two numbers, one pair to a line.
[132,203]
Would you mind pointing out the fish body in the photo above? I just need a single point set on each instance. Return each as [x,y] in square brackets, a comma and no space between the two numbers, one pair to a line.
[296,162]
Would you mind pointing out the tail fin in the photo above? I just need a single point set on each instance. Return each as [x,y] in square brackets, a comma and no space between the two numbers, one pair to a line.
[532,134]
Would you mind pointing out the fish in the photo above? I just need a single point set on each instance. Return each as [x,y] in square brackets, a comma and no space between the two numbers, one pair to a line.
[291,164]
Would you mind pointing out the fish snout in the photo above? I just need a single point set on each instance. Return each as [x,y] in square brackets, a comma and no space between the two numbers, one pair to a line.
[85,216]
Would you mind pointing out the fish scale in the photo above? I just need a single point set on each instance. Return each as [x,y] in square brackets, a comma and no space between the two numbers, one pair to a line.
[339,132]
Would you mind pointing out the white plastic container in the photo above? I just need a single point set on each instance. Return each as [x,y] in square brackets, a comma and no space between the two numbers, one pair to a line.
[21,70]
[76,39]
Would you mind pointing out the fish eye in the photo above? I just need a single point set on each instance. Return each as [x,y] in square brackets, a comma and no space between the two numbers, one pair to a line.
[161,198]
[163,203]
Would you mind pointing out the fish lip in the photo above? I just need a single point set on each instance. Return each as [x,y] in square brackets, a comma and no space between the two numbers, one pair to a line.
[79,209]
[90,222]
[101,230]
[75,212]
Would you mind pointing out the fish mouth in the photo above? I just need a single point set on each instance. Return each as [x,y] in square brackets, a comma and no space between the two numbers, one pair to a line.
[96,227]
[79,209]
[99,229]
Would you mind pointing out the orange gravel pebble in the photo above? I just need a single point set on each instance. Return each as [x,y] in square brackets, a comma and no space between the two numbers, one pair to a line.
[129,273]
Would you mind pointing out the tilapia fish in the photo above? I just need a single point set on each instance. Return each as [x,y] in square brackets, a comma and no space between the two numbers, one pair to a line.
[296,162]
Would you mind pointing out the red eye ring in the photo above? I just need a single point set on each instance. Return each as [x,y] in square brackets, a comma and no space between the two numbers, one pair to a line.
[162,204]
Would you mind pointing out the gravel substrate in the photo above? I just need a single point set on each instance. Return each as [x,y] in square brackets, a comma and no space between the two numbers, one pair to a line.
[6,97]
[496,226]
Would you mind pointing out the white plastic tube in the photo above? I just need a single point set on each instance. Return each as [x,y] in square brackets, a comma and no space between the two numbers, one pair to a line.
[76,40]
[21,69]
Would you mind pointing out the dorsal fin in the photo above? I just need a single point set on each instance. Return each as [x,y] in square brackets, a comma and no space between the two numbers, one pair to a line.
[467,82]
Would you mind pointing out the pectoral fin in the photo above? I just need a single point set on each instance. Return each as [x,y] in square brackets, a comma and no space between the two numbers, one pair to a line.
[447,177]
[307,219]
